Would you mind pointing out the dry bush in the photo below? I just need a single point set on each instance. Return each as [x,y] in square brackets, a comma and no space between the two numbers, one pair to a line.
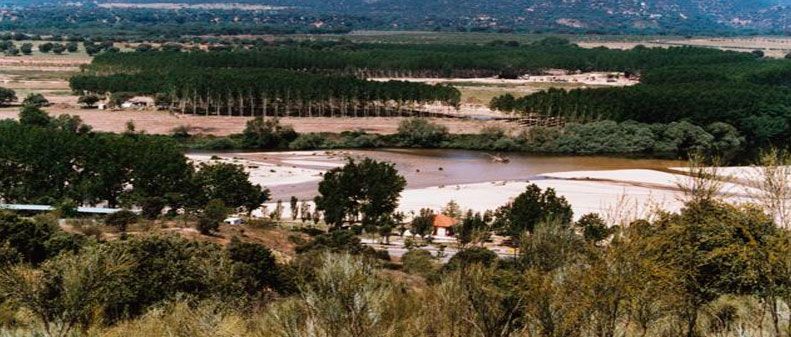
[773,186]
[179,319]
[702,182]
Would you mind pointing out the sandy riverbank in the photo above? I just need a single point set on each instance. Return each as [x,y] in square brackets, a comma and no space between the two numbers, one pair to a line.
[262,173]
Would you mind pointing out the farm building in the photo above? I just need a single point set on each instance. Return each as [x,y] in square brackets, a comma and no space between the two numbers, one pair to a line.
[443,226]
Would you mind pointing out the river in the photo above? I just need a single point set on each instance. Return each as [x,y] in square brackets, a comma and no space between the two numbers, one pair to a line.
[428,167]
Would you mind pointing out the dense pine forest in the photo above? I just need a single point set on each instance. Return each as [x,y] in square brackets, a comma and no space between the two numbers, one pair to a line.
[329,79]
[751,93]
[420,60]
[270,92]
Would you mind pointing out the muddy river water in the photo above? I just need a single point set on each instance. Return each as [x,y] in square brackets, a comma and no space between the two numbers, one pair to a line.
[437,167]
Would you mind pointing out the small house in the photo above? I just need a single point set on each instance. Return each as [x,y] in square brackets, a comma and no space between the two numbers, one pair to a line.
[443,226]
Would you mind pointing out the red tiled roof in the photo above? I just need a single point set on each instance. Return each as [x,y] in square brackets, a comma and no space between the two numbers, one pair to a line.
[444,221]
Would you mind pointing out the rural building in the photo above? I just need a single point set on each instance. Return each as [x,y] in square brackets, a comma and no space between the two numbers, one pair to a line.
[443,226]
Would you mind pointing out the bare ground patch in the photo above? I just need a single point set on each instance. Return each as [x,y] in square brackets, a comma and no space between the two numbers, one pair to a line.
[162,122]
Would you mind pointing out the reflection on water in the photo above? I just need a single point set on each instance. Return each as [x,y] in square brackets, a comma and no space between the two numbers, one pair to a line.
[433,167]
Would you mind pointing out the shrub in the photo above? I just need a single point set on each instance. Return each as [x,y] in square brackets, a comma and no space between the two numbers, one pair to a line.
[36,100]
[418,132]
[470,256]
[121,219]
[419,262]
[213,214]
[7,96]
[267,134]
[308,141]
[88,101]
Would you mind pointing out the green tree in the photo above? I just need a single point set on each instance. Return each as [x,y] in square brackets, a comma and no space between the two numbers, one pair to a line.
[12,51]
[7,96]
[254,266]
[231,184]
[34,241]
[36,100]
[45,47]
[88,101]
[267,134]
[531,208]
[121,219]
[418,132]
[58,48]
[471,229]
[293,203]
[213,214]
[593,227]
[26,48]
[713,247]
[72,47]
[32,115]
[423,223]
[367,187]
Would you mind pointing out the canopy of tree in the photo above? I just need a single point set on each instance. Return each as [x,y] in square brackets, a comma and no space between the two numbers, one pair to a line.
[367,187]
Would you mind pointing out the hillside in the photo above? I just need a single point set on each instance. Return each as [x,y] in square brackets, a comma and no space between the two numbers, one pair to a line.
[603,15]
[685,17]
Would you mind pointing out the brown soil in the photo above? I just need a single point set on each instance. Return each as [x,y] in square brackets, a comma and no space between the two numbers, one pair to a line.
[162,122]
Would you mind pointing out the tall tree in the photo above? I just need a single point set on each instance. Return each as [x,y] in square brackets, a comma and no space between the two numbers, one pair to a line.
[531,208]
[368,187]
[231,184]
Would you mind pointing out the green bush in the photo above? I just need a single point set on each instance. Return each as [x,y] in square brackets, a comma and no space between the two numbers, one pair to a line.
[418,132]
[121,219]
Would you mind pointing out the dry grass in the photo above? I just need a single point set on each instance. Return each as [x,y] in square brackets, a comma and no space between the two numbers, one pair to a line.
[773,46]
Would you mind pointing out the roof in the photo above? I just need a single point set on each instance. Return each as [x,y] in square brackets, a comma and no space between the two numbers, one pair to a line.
[444,221]
[47,208]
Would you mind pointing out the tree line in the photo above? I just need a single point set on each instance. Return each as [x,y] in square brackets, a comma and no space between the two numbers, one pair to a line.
[269,92]
[670,140]
[53,160]
[755,97]
[433,60]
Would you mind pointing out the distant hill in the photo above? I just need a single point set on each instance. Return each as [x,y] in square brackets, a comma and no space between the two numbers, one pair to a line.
[661,16]
[562,16]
